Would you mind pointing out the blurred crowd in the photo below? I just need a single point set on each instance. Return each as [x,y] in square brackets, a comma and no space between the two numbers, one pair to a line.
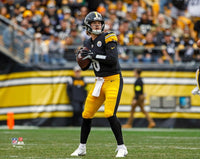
[149,31]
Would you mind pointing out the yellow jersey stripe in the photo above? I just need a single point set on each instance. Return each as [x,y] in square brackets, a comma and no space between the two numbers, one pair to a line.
[110,37]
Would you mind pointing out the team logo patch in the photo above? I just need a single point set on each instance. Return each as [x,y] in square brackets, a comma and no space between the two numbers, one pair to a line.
[99,43]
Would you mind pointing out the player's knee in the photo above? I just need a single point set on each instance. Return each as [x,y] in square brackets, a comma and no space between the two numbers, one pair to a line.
[86,115]
[108,114]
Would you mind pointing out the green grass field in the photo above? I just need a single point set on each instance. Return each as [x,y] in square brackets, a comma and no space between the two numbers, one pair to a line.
[54,143]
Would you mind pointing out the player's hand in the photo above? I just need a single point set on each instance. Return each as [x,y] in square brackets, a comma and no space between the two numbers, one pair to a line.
[87,54]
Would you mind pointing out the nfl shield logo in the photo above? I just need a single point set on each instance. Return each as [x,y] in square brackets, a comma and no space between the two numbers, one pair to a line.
[14,141]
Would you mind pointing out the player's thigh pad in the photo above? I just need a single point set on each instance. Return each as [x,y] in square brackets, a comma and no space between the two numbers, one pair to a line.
[92,104]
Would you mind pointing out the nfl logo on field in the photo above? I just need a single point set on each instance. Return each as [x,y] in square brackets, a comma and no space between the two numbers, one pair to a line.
[14,142]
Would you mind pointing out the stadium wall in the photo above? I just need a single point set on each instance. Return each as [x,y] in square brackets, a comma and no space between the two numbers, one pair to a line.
[38,96]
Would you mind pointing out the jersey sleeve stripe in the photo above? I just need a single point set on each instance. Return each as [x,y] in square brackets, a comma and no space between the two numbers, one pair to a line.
[110,37]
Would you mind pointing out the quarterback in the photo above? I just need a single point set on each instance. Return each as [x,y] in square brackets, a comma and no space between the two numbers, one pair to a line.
[108,85]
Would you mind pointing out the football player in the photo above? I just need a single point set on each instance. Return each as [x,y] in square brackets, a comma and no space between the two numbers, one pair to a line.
[108,85]
[196,89]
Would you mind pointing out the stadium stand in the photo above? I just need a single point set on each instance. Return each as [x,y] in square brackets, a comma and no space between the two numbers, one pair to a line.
[127,18]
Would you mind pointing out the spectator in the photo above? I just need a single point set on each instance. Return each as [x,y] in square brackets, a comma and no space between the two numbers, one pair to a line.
[178,8]
[39,5]
[123,39]
[75,4]
[194,12]
[4,12]
[177,32]
[8,35]
[150,14]
[132,12]
[76,90]
[60,14]
[69,50]
[163,21]
[121,9]
[108,25]
[139,10]
[144,24]
[26,25]
[45,21]
[132,21]
[197,28]
[77,39]
[18,13]
[68,15]
[138,49]
[158,34]
[78,20]
[163,5]
[168,49]
[36,16]
[47,31]
[124,56]
[56,51]
[9,4]
[186,49]
[84,12]
[19,44]
[150,53]
[28,15]
[193,8]
[63,29]
[115,21]
[51,13]
[39,50]
[123,33]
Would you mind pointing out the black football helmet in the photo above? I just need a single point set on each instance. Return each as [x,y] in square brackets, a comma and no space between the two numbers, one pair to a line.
[91,17]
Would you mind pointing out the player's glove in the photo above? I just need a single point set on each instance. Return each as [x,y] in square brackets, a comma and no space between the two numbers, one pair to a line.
[87,54]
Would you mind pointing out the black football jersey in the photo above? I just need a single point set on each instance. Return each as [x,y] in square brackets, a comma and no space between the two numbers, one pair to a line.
[105,63]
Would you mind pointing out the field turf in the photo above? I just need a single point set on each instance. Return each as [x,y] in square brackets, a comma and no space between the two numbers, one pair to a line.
[59,143]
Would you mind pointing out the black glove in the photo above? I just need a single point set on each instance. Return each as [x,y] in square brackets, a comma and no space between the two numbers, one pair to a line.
[87,54]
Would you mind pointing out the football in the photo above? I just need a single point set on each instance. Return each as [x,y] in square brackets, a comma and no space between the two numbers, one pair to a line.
[82,63]
[198,43]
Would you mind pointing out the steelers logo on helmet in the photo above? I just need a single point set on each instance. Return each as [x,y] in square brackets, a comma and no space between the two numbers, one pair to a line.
[91,17]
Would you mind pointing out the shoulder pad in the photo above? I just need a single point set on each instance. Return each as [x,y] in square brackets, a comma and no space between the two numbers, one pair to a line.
[110,36]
